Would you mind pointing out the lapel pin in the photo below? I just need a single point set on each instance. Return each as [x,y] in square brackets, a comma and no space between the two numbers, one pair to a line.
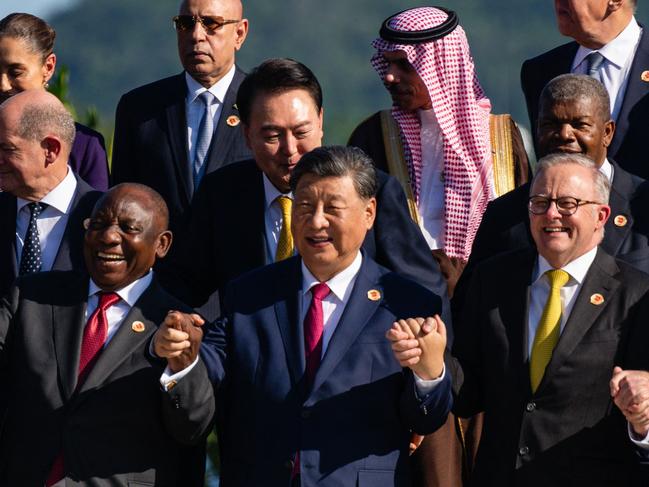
[373,295]
[235,106]
[620,221]
[645,76]
[137,327]
[597,299]
[233,121]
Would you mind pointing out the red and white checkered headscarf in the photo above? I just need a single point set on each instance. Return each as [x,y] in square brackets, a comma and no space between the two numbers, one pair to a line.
[462,111]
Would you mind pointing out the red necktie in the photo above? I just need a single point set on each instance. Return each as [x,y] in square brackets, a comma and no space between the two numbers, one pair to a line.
[94,337]
[313,326]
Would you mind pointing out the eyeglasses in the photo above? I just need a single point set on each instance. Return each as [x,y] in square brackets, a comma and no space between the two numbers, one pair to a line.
[211,23]
[566,205]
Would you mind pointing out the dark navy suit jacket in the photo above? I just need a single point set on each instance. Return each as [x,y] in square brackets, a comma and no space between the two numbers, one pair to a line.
[151,141]
[70,252]
[628,147]
[227,236]
[352,428]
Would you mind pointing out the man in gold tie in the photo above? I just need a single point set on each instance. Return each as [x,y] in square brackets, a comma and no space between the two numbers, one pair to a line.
[241,214]
[540,335]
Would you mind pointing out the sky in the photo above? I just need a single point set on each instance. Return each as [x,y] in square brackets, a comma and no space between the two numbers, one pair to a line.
[41,8]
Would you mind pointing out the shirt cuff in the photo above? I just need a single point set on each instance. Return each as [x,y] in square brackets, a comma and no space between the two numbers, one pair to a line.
[425,387]
[168,380]
[642,443]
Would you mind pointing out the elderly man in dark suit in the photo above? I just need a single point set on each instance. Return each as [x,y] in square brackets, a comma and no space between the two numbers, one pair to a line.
[241,214]
[308,390]
[79,375]
[170,133]
[573,118]
[612,47]
[42,203]
[536,352]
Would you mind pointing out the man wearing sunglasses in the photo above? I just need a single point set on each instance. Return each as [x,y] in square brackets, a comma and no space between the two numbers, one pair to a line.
[170,133]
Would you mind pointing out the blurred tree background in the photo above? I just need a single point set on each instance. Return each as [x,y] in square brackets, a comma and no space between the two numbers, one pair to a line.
[112,47]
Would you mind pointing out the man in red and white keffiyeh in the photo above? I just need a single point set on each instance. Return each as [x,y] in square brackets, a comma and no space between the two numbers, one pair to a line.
[424,61]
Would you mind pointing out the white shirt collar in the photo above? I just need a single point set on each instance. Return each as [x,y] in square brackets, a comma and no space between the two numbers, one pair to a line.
[340,284]
[607,170]
[576,268]
[218,89]
[131,293]
[271,192]
[617,51]
[60,197]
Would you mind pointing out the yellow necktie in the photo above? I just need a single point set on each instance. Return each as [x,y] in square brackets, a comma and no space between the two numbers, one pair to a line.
[285,243]
[547,333]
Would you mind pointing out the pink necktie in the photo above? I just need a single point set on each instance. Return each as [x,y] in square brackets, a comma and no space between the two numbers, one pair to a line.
[313,326]
[94,337]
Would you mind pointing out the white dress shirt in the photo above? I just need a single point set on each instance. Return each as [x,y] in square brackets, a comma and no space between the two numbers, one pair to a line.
[540,289]
[117,312]
[273,219]
[51,222]
[614,71]
[194,107]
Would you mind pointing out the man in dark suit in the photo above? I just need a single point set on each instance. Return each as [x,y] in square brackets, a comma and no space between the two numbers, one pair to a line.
[170,133]
[42,203]
[90,393]
[307,388]
[536,352]
[611,46]
[237,221]
[574,118]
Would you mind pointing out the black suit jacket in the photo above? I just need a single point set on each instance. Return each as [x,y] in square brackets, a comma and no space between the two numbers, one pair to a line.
[70,253]
[568,432]
[150,144]
[119,428]
[227,236]
[506,226]
[628,147]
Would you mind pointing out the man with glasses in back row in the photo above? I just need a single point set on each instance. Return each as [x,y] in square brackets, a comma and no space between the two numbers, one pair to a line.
[170,133]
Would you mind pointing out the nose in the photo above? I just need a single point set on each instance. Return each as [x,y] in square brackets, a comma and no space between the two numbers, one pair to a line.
[289,146]
[390,77]
[5,85]
[110,235]
[553,211]
[198,32]
[319,218]
[566,132]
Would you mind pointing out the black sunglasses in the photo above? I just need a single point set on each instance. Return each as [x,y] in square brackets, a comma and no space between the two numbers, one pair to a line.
[211,23]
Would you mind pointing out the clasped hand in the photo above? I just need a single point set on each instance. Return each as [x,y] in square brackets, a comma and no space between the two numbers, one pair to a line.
[178,339]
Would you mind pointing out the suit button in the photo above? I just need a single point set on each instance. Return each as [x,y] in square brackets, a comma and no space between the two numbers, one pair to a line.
[530,407]
[523,451]
[306,414]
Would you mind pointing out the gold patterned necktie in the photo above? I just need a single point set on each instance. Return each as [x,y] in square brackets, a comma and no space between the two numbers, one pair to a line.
[285,243]
[547,333]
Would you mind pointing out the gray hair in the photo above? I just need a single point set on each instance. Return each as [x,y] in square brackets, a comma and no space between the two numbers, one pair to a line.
[601,184]
[37,121]
[338,161]
[571,87]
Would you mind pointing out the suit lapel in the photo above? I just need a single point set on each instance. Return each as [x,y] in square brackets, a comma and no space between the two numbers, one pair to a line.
[68,323]
[177,132]
[636,89]
[584,314]
[126,340]
[225,132]
[8,238]
[257,201]
[357,313]
[619,201]
[286,312]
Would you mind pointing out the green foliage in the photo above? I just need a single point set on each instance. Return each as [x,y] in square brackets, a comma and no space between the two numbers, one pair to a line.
[112,47]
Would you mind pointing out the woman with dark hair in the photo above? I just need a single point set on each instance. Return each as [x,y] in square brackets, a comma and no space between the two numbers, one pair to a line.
[27,61]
